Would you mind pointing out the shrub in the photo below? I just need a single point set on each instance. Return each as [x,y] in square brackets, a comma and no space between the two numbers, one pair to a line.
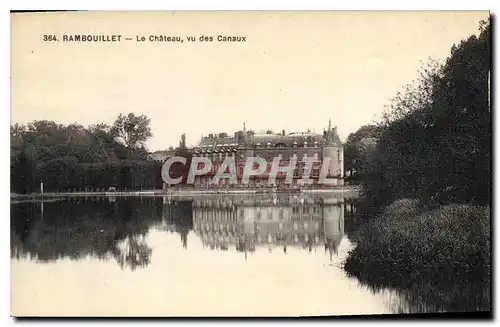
[450,244]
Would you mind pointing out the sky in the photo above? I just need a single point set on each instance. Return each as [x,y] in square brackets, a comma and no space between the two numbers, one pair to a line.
[295,71]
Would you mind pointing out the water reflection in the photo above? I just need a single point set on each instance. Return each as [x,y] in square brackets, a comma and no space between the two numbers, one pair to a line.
[108,228]
[96,252]
[279,221]
[78,228]
[221,236]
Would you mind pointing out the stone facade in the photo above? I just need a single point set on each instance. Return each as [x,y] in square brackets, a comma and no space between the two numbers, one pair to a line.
[269,145]
[246,144]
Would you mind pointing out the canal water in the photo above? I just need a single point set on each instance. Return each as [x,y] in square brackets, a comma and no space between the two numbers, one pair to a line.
[247,255]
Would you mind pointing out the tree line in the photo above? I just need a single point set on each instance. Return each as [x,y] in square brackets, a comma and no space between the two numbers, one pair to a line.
[434,141]
[77,158]
[426,178]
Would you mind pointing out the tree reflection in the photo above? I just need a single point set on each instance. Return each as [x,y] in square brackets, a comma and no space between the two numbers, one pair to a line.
[81,228]
[427,295]
[135,253]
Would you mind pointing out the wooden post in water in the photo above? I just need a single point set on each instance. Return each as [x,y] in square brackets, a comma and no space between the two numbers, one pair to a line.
[41,187]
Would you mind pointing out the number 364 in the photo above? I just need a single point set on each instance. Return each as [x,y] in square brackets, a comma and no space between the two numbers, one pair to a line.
[49,38]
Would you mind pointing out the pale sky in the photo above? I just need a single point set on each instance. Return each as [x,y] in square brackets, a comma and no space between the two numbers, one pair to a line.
[295,71]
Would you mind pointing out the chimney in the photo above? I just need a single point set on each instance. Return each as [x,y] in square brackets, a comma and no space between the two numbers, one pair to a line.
[283,132]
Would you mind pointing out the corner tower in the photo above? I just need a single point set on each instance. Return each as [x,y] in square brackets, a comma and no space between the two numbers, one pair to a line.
[334,150]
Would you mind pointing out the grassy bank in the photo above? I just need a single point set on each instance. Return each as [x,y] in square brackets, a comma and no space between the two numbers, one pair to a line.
[413,248]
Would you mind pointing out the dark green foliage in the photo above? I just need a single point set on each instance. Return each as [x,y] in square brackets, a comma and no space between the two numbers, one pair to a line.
[409,247]
[75,158]
[434,143]
[431,163]
[356,149]
[132,130]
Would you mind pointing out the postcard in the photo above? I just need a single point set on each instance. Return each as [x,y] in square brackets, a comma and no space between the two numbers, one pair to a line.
[250,163]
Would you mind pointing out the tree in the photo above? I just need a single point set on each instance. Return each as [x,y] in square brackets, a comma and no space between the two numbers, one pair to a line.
[356,148]
[434,142]
[75,157]
[133,131]
[182,142]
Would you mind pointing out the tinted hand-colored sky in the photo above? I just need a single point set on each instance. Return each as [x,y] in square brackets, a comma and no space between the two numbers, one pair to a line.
[295,71]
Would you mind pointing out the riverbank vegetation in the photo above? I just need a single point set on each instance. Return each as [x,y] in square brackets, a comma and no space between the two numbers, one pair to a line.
[428,180]
[413,249]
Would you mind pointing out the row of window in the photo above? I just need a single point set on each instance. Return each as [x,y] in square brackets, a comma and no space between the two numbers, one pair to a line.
[295,144]
[212,216]
[242,155]
[227,229]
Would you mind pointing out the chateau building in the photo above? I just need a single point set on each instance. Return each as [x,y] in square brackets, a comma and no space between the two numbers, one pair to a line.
[269,145]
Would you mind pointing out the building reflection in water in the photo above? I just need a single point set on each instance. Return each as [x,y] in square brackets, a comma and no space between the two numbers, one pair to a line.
[273,221]
[177,218]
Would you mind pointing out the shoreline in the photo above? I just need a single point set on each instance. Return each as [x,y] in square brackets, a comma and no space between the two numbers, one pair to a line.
[350,191]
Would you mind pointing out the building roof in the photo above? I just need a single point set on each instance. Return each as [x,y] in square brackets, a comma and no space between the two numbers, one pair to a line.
[274,140]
